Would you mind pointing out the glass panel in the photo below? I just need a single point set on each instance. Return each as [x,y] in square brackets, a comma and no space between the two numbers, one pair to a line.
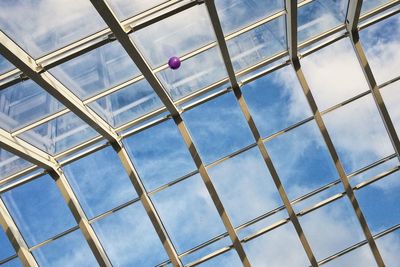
[358,133]
[59,134]
[391,97]
[6,248]
[12,263]
[245,186]
[69,250]
[229,258]
[332,228]
[359,257]
[10,164]
[24,103]
[276,101]
[127,104]
[381,44]
[129,238]
[188,213]
[128,8]
[5,65]
[236,14]
[389,247]
[195,73]
[319,16]
[159,154]
[334,74]
[272,249]
[262,42]
[380,203]
[368,5]
[98,186]
[96,71]
[218,128]
[52,24]
[175,35]
[309,165]
[38,209]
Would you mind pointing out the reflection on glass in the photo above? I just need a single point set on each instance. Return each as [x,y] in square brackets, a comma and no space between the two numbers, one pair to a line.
[194,74]
[218,128]
[129,238]
[24,103]
[10,164]
[360,257]
[127,104]
[96,70]
[276,101]
[309,165]
[6,248]
[332,228]
[98,186]
[262,42]
[159,154]
[358,134]
[379,203]
[319,16]
[381,44]
[245,186]
[273,249]
[334,74]
[59,134]
[38,210]
[188,213]
[12,263]
[229,258]
[128,8]
[175,35]
[236,14]
[5,65]
[391,97]
[69,250]
[389,247]
[368,5]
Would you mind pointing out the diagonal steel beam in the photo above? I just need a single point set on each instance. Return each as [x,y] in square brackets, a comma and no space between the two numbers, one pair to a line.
[291,27]
[256,134]
[353,15]
[19,58]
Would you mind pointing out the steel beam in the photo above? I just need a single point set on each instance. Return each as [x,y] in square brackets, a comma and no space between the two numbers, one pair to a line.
[291,27]
[353,14]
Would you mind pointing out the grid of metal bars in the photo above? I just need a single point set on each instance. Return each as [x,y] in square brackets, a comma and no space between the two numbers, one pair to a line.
[37,71]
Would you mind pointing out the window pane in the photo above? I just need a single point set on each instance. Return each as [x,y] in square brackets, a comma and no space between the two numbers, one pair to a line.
[309,165]
[10,164]
[129,238]
[229,258]
[389,246]
[38,209]
[5,65]
[358,134]
[359,257]
[334,74]
[128,8]
[12,263]
[276,101]
[391,97]
[218,128]
[98,186]
[188,213]
[368,5]
[159,154]
[52,24]
[69,250]
[6,248]
[245,186]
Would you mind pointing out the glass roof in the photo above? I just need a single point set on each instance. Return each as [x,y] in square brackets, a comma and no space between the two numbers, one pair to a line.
[251,153]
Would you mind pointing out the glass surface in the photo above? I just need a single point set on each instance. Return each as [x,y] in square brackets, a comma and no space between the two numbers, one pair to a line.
[6,248]
[276,101]
[24,103]
[218,128]
[309,165]
[69,250]
[159,155]
[260,43]
[319,16]
[12,263]
[389,247]
[332,228]
[236,14]
[373,172]
[245,186]
[272,249]
[391,98]
[229,258]
[128,8]
[368,5]
[96,71]
[194,74]
[10,164]
[99,186]
[129,238]
[358,134]
[127,104]
[59,134]
[38,210]
[175,35]
[5,65]
[381,45]
[188,213]
[379,203]
[52,24]
[360,257]
[334,74]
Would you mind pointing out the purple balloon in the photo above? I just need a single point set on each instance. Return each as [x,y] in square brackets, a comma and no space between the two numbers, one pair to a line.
[174,63]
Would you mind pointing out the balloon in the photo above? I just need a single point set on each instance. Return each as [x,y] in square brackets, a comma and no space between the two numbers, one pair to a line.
[174,63]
